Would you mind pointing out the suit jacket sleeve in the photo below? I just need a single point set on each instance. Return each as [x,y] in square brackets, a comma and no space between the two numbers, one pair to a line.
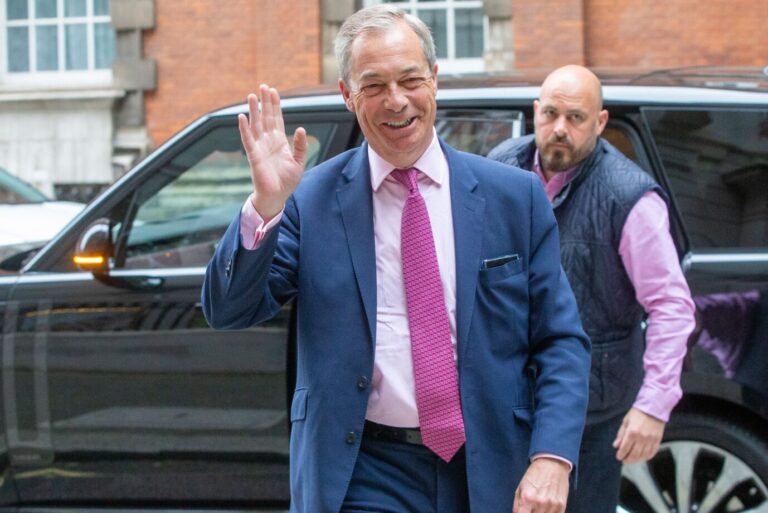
[560,350]
[244,287]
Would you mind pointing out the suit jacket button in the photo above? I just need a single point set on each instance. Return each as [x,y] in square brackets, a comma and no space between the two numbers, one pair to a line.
[351,437]
[228,267]
[362,383]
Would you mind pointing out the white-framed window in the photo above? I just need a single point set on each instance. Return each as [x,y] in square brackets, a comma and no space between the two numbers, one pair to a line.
[71,41]
[459,28]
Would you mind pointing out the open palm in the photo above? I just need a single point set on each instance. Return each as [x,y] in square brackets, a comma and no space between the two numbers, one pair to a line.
[275,169]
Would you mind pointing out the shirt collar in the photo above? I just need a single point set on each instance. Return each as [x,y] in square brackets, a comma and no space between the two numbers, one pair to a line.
[427,164]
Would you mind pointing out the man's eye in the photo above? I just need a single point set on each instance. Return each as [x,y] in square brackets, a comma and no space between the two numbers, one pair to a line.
[372,89]
[413,82]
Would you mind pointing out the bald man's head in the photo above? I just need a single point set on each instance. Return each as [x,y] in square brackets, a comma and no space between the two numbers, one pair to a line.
[568,118]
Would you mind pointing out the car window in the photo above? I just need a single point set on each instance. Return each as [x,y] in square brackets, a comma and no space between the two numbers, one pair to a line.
[478,131]
[715,161]
[14,191]
[179,214]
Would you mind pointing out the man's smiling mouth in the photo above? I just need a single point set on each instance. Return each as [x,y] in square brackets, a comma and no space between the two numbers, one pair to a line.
[401,124]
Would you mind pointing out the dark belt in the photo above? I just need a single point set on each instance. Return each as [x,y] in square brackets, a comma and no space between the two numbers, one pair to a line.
[392,434]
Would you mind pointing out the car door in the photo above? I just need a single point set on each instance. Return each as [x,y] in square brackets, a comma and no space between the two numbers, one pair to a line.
[115,390]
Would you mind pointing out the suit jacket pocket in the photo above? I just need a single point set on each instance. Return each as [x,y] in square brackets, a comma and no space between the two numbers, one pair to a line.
[524,415]
[499,272]
[299,404]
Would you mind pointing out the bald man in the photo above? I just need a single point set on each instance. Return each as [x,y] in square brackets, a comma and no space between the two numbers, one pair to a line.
[622,263]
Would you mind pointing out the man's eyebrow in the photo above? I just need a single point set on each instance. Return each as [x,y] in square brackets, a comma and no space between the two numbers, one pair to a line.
[371,75]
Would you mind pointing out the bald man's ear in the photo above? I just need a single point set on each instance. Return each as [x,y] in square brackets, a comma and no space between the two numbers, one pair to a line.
[602,120]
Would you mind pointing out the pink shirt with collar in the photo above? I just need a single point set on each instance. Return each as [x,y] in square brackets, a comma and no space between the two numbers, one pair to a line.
[393,398]
[660,287]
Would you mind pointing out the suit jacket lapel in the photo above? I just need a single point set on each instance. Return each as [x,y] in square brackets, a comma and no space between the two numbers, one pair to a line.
[468,213]
[355,199]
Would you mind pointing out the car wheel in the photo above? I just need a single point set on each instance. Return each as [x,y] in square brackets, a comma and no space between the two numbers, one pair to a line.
[705,465]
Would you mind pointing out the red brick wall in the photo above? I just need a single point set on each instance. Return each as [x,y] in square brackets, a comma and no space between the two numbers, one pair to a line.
[664,33]
[211,53]
[548,34]
[640,34]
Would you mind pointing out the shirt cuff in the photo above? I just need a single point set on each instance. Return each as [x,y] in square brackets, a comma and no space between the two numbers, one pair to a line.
[553,457]
[253,229]
[657,403]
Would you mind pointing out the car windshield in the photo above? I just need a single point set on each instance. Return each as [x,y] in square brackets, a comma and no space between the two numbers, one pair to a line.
[15,191]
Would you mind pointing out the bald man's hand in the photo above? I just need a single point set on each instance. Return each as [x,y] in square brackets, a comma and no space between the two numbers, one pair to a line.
[639,437]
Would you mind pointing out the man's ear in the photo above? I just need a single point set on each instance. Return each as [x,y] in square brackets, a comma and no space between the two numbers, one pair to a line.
[347,95]
[602,120]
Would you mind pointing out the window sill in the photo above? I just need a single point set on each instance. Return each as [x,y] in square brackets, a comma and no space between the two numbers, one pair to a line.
[60,94]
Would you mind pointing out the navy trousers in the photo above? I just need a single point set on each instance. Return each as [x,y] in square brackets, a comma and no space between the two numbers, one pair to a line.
[597,490]
[396,477]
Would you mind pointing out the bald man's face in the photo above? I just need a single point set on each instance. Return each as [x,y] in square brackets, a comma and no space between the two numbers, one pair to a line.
[568,120]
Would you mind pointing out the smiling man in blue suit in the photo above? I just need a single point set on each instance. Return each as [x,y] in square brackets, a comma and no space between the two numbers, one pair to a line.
[442,366]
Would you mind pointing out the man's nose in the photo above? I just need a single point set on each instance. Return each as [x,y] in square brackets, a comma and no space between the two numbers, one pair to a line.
[560,126]
[396,98]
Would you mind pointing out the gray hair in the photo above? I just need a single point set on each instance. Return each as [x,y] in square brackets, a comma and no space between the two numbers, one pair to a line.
[375,19]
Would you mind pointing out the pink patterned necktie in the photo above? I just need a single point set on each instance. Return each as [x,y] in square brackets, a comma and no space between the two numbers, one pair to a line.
[434,368]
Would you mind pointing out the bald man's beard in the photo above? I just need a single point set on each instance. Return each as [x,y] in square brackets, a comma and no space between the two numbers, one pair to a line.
[558,159]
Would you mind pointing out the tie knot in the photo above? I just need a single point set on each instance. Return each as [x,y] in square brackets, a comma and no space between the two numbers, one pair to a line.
[407,177]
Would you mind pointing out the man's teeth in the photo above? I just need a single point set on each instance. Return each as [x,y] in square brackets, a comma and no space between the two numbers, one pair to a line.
[400,125]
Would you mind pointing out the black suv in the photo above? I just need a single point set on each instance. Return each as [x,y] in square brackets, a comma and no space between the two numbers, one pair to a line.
[115,393]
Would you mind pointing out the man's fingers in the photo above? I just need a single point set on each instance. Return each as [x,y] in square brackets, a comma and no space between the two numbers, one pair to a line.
[278,110]
[254,116]
[300,146]
[269,98]
[245,131]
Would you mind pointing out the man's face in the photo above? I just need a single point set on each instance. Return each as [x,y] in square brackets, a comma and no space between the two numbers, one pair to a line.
[392,92]
[568,120]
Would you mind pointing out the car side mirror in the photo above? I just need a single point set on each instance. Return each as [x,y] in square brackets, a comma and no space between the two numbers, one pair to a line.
[94,249]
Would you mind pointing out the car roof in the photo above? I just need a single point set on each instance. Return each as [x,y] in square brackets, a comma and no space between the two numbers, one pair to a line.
[691,85]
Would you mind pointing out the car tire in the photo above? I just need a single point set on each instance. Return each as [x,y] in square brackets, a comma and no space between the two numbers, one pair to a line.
[706,464]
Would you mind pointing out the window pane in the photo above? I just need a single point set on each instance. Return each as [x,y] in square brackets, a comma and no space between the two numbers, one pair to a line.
[17,10]
[74,8]
[47,48]
[18,49]
[469,33]
[436,20]
[184,209]
[101,7]
[714,162]
[77,46]
[104,50]
[45,8]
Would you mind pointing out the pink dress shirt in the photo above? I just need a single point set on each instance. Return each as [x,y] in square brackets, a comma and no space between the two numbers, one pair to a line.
[393,397]
[660,288]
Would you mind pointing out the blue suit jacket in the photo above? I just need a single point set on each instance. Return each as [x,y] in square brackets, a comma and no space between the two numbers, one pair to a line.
[523,357]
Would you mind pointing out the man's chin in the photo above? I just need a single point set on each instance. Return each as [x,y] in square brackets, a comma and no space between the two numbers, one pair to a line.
[556,165]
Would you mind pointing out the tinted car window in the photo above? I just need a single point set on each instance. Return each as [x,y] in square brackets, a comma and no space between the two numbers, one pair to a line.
[478,131]
[181,212]
[712,158]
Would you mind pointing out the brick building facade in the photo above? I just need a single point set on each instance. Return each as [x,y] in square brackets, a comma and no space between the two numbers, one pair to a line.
[212,55]
[175,60]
